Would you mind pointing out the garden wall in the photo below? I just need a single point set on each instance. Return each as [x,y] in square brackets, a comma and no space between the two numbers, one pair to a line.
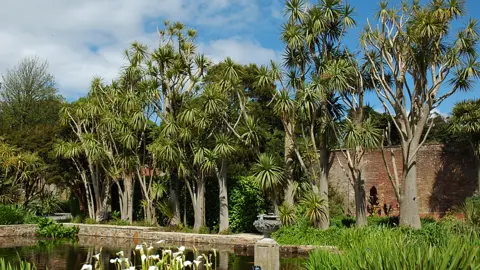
[446,176]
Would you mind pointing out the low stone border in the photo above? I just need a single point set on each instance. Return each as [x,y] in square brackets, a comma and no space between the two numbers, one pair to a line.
[241,244]
[18,230]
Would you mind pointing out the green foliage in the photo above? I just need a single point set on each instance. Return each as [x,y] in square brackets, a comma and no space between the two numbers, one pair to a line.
[78,219]
[288,214]
[49,228]
[396,249]
[471,210]
[343,231]
[246,202]
[314,205]
[23,265]
[13,214]
[336,203]
[47,204]
[90,221]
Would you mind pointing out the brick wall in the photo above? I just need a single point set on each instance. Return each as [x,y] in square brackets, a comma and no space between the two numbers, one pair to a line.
[445,177]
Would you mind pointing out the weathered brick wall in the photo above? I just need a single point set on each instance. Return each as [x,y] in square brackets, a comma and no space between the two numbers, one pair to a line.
[445,177]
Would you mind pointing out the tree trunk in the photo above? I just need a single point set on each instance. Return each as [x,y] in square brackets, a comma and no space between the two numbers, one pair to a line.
[102,209]
[199,205]
[176,219]
[409,216]
[90,200]
[126,198]
[276,211]
[130,189]
[360,201]
[289,152]
[323,185]
[151,213]
[477,158]
[223,260]
[223,196]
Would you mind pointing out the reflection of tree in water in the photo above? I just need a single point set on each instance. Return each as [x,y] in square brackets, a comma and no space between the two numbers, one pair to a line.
[68,255]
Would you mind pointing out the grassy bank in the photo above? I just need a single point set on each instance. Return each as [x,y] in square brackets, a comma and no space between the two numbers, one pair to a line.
[384,245]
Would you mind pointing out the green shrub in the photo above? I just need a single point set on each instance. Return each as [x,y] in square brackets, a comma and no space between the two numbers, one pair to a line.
[48,228]
[204,230]
[336,203]
[90,221]
[13,214]
[288,214]
[78,219]
[245,202]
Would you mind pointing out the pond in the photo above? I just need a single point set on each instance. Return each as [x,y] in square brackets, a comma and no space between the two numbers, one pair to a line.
[71,255]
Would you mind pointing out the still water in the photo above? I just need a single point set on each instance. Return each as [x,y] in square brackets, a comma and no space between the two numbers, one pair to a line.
[71,255]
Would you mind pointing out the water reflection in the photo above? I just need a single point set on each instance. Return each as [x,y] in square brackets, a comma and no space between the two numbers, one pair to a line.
[68,255]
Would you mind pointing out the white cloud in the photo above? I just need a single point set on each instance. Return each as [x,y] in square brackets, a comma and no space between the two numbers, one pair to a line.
[63,31]
[438,112]
[240,50]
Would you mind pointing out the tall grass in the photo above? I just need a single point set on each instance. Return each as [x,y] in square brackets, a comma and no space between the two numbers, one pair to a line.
[436,247]
[22,265]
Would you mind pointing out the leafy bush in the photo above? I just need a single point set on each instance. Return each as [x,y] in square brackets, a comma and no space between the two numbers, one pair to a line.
[288,214]
[90,221]
[78,219]
[336,202]
[246,202]
[48,228]
[13,214]
[47,204]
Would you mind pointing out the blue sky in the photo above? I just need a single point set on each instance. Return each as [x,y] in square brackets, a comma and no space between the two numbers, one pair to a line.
[82,39]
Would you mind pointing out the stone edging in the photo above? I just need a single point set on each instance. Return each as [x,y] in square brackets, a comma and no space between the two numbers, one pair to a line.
[242,243]
[18,230]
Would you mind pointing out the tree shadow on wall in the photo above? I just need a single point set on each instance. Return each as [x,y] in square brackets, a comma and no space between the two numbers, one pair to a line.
[455,179]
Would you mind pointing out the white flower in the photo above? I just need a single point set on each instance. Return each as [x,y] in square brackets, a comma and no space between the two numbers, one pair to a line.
[97,256]
[87,267]
[144,257]
[152,268]
[154,257]
[177,254]
[187,263]
[197,263]
[131,268]
[199,258]
[182,249]
[168,251]
[139,247]
[120,254]
[160,242]
[113,260]
[209,264]
[150,248]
